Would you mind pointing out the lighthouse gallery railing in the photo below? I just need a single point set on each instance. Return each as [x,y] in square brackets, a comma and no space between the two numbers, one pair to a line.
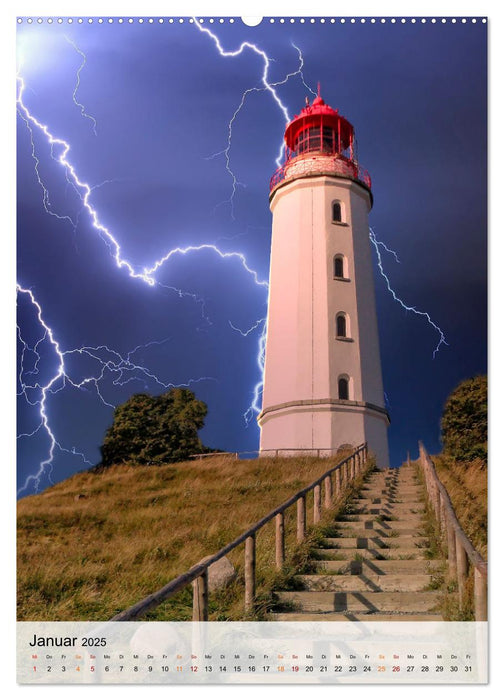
[320,164]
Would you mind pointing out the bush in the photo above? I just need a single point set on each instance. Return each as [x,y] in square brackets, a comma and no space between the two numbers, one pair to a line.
[464,429]
[155,429]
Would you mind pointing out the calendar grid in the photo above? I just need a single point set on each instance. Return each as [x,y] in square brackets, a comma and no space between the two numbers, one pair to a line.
[268,652]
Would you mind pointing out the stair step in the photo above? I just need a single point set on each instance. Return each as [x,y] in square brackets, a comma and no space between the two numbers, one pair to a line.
[386,566]
[357,617]
[389,498]
[390,504]
[375,568]
[328,601]
[380,518]
[399,512]
[403,553]
[379,530]
[369,521]
[387,534]
[361,602]
[364,582]
[375,542]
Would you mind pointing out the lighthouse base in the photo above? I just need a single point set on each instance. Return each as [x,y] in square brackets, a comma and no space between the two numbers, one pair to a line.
[322,427]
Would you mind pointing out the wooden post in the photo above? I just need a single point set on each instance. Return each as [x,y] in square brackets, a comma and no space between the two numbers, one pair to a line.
[452,553]
[279,540]
[316,503]
[328,491]
[434,498]
[337,477]
[480,596]
[462,567]
[249,572]
[437,509]
[301,518]
[442,514]
[200,598]
[433,495]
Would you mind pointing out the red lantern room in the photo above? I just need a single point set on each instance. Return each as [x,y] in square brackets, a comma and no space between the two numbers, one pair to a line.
[320,141]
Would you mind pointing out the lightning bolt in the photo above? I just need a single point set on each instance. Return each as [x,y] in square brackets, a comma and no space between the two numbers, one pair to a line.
[269,86]
[255,405]
[110,365]
[84,190]
[247,45]
[266,86]
[382,244]
[112,362]
[376,243]
[77,85]
[44,390]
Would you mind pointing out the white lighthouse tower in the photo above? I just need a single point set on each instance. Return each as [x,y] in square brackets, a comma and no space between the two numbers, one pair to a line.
[323,383]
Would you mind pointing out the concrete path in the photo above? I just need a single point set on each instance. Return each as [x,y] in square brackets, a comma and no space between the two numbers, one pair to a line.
[375,566]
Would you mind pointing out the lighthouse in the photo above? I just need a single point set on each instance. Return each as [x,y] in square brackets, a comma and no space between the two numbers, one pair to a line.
[323,387]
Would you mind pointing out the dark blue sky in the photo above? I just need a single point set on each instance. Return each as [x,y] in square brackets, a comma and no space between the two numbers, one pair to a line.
[162,97]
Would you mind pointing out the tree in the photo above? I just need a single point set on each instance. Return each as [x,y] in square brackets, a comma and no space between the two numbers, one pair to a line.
[464,429]
[155,429]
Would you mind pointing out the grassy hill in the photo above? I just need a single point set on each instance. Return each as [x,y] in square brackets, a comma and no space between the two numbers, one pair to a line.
[97,543]
[466,483]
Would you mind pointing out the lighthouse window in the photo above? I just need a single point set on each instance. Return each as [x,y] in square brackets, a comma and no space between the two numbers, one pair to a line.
[341,326]
[337,213]
[309,140]
[316,139]
[343,388]
[328,140]
[338,266]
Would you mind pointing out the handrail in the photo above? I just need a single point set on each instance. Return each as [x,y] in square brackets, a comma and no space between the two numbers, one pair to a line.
[460,549]
[198,574]
[203,455]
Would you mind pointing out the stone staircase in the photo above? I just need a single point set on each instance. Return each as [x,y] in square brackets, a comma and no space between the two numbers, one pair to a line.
[375,567]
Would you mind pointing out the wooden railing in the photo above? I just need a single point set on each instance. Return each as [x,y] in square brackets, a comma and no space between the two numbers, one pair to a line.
[461,552]
[334,481]
[205,455]
[319,452]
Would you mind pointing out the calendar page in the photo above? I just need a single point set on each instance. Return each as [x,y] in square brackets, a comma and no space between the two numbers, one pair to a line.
[251,349]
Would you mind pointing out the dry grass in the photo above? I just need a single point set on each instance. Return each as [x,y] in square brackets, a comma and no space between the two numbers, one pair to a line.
[466,483]
[95,544]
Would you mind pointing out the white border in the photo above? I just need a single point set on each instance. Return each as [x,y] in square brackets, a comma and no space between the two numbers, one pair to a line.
[104,8]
